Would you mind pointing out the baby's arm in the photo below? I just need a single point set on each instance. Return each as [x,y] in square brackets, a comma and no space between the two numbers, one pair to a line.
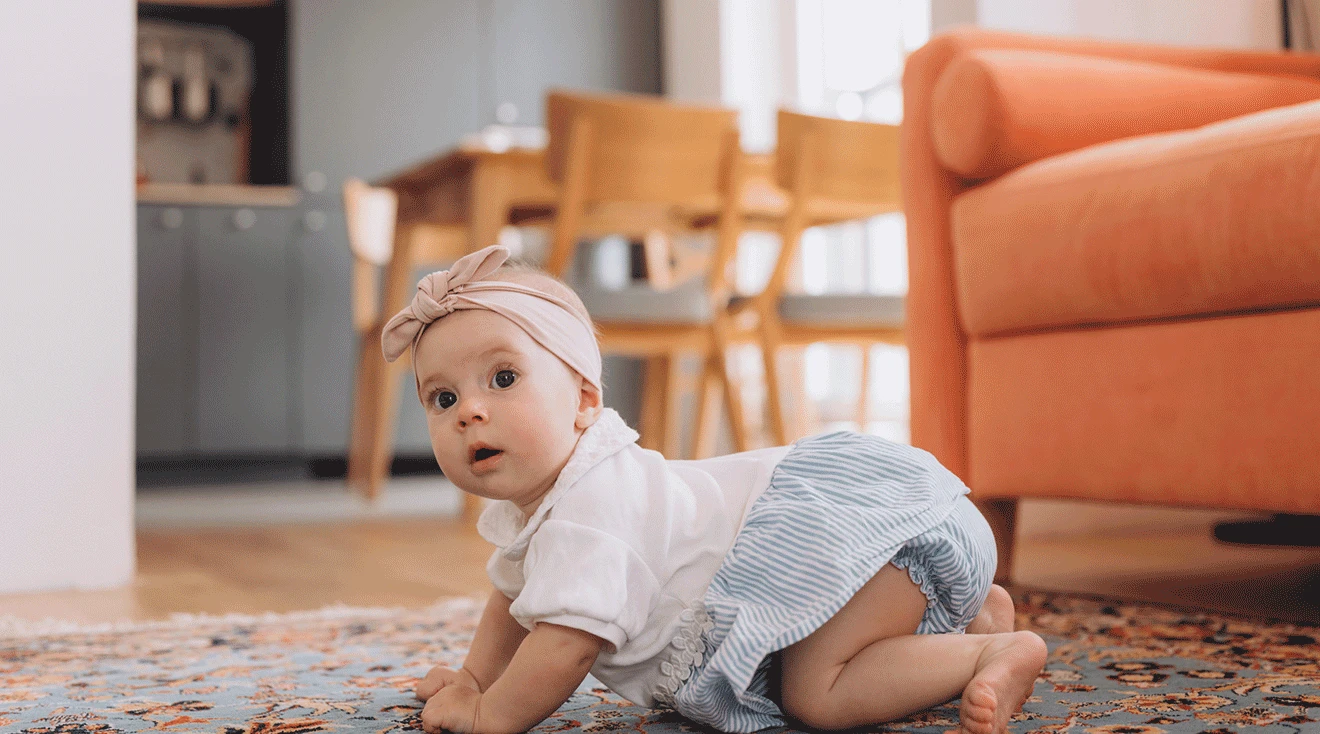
[548,666]
[493,645]
[496,640]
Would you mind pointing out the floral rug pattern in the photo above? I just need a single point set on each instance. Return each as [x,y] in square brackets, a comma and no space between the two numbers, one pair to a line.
[1115,668]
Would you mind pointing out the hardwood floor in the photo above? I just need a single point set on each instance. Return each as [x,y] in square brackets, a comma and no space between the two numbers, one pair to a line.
[396,562]
[280,568]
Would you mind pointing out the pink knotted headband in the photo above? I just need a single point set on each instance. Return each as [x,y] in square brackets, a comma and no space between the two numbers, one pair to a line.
[550,320]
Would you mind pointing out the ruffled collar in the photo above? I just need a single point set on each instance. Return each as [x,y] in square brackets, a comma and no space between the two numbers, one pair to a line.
[504,525]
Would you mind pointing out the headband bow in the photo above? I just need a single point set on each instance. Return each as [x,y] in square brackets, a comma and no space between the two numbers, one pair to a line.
[550,320]
[437,297]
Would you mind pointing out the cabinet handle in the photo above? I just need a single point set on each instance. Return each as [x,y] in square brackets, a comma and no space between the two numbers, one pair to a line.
[244,218]
[314,221]
[314,182]
[171,218]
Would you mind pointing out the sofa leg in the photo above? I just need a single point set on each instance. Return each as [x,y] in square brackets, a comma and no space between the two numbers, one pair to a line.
[1002,516]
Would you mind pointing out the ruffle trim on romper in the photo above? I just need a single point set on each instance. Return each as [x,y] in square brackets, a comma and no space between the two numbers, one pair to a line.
[920,575]
[686,653]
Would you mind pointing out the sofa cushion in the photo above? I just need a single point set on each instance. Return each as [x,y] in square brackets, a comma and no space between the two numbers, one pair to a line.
[1223,218]
[993,110]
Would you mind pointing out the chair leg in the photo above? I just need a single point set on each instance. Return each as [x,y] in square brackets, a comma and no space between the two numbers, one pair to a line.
[672,446]
[864,390]
[1002,516]
[367,402]
[380,444]
[707,419]
[803,418]
[363,405]
[732,395]
[770,344]
[655,374]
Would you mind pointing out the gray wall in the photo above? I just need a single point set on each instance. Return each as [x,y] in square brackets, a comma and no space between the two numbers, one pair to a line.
[376,87]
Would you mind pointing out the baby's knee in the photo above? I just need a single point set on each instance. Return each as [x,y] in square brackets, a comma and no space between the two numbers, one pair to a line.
[812,705]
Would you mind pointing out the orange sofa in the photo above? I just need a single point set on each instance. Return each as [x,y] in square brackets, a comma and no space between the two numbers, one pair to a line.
[1114,257]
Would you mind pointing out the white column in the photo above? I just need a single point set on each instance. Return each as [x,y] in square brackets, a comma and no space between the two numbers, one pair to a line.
[67,294]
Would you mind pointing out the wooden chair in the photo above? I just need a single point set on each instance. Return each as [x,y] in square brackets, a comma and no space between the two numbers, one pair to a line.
[370,214]
[653,163]
[825,164]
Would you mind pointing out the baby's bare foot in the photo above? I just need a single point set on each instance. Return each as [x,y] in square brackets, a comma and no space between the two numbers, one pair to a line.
[1005,674]
[996,613]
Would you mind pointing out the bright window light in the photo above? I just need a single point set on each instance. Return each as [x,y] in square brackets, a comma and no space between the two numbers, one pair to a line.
[863,43]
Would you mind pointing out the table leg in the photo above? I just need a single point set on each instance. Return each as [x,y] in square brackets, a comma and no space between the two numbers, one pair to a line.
[489,205]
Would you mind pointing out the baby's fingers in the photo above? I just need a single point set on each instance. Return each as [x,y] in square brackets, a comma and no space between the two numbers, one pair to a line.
[436,679]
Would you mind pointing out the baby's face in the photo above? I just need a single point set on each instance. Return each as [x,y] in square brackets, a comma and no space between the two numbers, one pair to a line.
[504,413]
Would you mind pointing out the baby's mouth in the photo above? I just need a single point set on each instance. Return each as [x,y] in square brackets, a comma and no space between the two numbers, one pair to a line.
[484,457]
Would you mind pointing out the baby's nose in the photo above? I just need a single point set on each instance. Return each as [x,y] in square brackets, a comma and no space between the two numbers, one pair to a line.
[474,413]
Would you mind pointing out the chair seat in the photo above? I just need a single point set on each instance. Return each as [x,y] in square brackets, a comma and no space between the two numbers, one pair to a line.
[843,309]
[686,304]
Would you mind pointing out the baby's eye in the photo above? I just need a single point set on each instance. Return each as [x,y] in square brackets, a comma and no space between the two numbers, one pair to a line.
[445,399]
[503,379]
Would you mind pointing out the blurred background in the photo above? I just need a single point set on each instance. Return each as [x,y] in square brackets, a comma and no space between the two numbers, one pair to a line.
[285,100]
[224,362]
[289,99]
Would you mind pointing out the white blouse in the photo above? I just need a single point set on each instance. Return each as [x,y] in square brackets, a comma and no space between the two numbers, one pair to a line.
[623,544]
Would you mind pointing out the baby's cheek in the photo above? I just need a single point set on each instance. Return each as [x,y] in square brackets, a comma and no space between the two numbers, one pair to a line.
[445,455]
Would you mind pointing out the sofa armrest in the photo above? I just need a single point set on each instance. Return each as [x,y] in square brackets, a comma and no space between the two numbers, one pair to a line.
[993,110]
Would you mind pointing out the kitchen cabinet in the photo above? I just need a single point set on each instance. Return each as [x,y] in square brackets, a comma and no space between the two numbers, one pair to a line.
[245,329]
[166,307]
[217,321]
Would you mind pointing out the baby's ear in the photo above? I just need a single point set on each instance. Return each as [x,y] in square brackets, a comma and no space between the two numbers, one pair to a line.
[589,405]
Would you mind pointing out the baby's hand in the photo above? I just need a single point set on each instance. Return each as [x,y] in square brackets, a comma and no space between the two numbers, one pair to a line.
[453,708]
[440,678]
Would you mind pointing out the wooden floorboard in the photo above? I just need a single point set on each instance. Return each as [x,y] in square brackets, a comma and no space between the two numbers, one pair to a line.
[413,563]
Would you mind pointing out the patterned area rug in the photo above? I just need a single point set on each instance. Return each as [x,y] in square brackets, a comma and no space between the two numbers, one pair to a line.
[1115,668]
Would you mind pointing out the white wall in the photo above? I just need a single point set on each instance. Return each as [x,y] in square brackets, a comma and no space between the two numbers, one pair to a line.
[691,50]
[1221,23]
[735,53]
[67,290]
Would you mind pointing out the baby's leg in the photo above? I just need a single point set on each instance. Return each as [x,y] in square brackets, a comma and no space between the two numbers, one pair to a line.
[996,613]
[865,665]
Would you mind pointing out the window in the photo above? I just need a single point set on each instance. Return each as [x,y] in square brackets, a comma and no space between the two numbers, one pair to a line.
[849,63]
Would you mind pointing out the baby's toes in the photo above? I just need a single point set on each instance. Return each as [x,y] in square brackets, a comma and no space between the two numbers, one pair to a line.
[977,714]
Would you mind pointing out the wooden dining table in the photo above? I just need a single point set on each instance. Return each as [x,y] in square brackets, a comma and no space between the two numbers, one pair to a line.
[484,190]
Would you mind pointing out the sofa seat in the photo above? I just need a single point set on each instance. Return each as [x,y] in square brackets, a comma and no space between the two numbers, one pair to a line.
[1218,219]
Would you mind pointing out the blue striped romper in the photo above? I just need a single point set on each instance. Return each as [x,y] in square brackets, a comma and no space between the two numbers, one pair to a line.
[838,508]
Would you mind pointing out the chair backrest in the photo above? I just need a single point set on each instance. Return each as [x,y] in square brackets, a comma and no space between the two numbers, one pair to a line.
[842,160]
[370,212]
[637,148]
[643,150]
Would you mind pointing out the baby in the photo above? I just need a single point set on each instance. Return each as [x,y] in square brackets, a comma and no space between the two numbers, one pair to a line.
[829,581]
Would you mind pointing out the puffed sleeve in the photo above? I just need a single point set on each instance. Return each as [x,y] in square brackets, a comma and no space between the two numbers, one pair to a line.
[504,574]
[581,577]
